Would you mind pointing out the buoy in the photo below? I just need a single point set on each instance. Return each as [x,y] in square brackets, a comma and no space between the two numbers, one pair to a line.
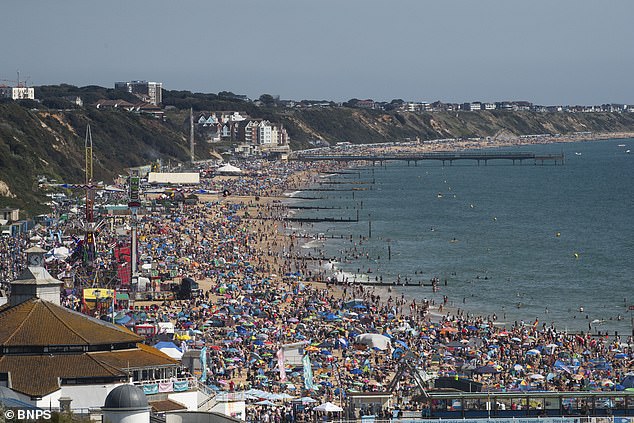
[576,255]
[495,219]
[558,234]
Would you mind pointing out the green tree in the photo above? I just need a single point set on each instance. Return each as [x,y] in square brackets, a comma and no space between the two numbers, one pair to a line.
[267,100]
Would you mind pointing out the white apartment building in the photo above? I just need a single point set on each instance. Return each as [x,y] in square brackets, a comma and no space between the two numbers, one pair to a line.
[265,133]
[150,92]
[18,93]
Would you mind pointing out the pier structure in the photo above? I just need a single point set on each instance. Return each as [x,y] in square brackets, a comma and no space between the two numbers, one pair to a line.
[443,156]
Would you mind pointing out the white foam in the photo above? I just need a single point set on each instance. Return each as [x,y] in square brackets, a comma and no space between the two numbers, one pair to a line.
[316,243]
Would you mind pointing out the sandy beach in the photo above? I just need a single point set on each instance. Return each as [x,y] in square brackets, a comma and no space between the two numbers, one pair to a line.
[260,293]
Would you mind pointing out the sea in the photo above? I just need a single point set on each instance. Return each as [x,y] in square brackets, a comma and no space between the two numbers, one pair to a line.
[552,243]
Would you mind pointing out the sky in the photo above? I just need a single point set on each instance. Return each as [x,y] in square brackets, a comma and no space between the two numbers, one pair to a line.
[548,52]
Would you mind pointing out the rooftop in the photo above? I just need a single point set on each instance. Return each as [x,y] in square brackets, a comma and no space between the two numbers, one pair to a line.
[36,322]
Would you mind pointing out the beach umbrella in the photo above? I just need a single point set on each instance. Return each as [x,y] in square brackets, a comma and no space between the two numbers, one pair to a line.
[533,352]
[467,367]
[397,353]
[401,343]
[328,407]
[488,369]
[628,381]
[266,402]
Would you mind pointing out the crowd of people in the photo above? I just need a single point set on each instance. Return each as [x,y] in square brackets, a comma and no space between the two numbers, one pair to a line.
[257,302]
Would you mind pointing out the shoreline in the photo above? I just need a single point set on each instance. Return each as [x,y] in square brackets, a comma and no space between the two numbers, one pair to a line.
[452,308]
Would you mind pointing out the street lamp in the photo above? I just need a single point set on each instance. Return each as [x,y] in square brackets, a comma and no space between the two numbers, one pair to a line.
[97,294]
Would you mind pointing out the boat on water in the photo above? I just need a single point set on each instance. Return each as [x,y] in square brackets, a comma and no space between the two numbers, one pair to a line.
[627,151]
[577,154]
[621,145]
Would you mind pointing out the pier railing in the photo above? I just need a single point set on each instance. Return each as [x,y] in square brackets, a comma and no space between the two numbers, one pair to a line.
[443,156]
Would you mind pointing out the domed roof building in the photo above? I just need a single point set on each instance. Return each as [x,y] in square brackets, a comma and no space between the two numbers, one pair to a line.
[126,397]
[48,352]
[126,404]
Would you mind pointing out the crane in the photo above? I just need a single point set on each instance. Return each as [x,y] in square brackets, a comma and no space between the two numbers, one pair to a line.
[17,82]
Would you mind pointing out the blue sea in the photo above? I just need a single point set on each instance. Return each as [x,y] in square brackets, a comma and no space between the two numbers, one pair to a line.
[523,241]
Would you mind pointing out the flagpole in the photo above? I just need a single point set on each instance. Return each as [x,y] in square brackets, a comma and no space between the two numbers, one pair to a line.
[114,298]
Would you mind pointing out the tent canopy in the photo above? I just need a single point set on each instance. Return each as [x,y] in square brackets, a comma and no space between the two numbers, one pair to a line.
[170,349]
[229,170]
[328,407]
[374,340]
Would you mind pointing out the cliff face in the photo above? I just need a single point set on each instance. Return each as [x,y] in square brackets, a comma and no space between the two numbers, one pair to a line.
[51,143]
[366,126]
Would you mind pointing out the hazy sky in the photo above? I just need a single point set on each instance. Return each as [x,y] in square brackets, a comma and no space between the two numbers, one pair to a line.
[544,51]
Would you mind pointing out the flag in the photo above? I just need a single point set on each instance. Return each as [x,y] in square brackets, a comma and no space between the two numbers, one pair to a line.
[308,373]
[203,364]
[280,364]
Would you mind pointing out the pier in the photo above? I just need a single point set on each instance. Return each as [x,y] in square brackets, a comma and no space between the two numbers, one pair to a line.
[443,156]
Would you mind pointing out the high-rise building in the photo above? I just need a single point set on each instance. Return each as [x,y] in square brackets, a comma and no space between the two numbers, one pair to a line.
[151,92]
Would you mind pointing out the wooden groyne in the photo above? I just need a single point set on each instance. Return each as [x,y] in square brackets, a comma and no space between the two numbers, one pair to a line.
[342,172]
[313,219]
[345,182]
[310,208]
[333,189]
